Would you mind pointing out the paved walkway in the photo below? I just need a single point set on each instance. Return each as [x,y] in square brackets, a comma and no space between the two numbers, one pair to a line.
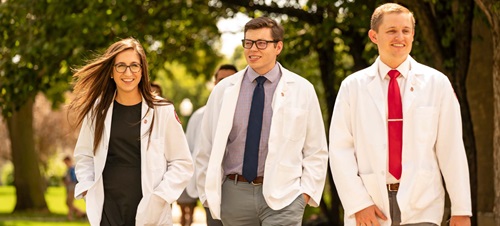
[199,216]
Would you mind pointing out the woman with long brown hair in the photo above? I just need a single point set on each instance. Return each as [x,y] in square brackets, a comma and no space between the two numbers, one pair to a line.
[132,158]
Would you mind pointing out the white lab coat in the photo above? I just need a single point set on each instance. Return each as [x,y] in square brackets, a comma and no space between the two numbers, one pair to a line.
[166,166]
[297,158]
[432,147]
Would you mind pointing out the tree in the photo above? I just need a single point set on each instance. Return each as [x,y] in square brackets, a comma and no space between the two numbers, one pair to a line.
[491,9]
[42,40]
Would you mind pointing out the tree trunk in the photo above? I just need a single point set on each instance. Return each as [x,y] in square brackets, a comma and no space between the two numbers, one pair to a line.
[496,106]
[463,15]
[496,133]
[27,178]
[326,57]
[491,9]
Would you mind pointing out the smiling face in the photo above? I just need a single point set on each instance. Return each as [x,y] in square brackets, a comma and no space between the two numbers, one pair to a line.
[262,61]
[128,81]
[394,38]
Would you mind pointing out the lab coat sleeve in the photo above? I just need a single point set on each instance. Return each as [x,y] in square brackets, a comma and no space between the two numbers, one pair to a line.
[450,152]
[84,158]
[315,152]
[179,162]
[342,151]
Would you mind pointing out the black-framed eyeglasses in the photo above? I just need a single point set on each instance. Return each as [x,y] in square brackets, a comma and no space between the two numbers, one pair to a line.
[134,68]
[261,44]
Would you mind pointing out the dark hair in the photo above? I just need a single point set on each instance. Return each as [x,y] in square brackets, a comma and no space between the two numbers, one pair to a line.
[225,67]
[277,30]
[94,89]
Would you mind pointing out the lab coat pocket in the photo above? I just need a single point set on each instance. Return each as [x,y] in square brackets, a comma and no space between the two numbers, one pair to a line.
[288,179]
[153,210]
[425,191]
[372,187]
[155,155]
[425,124]
[294,123]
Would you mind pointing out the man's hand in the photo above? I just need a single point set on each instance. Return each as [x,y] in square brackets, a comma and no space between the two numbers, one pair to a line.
[460,221]
[368,216]
[306,197]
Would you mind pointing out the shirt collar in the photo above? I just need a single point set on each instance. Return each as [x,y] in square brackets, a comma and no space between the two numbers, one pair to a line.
[403,68]
[273,75]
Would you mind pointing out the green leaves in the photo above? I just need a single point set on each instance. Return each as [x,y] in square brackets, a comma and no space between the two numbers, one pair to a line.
[41,41]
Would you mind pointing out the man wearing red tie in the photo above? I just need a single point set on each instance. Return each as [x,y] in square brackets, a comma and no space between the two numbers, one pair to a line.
[396,132]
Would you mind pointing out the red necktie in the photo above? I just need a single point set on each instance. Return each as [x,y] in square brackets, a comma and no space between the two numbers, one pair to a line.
[395,125]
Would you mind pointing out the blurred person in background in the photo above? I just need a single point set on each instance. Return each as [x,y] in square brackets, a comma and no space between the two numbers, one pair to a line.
[70,181]
[189,197]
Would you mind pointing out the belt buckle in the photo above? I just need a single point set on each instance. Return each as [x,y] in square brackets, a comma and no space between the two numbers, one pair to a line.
[235,179]
[255,184]
[390,189]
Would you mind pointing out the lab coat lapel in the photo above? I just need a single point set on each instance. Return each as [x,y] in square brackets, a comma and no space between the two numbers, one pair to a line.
[281,89]
[229,101]
[146,120]
[375,90]
[413,86]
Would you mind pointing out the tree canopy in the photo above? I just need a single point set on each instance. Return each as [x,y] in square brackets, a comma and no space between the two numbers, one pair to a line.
[42,41]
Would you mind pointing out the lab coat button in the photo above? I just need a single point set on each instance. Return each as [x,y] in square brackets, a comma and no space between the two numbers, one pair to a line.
[145,121]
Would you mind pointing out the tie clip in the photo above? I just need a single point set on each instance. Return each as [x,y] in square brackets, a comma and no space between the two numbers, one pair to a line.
[395,119]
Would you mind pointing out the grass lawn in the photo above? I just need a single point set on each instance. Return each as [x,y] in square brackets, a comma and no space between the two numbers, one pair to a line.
[56,201]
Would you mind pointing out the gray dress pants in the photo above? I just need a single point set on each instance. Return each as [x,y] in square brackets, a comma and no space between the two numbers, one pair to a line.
[396,213]
[243,205]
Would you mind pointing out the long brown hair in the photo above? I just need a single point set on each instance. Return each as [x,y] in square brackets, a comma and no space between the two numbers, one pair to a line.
[94,89]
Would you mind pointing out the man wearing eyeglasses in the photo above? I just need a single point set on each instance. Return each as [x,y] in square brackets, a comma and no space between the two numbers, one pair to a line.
[262,155]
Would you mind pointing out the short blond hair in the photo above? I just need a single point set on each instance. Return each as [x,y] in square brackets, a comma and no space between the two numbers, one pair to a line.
[387,8]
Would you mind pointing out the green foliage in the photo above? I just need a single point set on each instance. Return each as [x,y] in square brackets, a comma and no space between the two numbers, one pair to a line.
[55,171]
[56,201]
[7,174]
[180,83]
[42,40]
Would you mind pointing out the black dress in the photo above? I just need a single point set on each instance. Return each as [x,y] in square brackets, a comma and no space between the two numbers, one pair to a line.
[122,172]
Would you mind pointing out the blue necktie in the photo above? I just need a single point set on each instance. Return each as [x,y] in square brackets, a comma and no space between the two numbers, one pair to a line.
[251,157]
